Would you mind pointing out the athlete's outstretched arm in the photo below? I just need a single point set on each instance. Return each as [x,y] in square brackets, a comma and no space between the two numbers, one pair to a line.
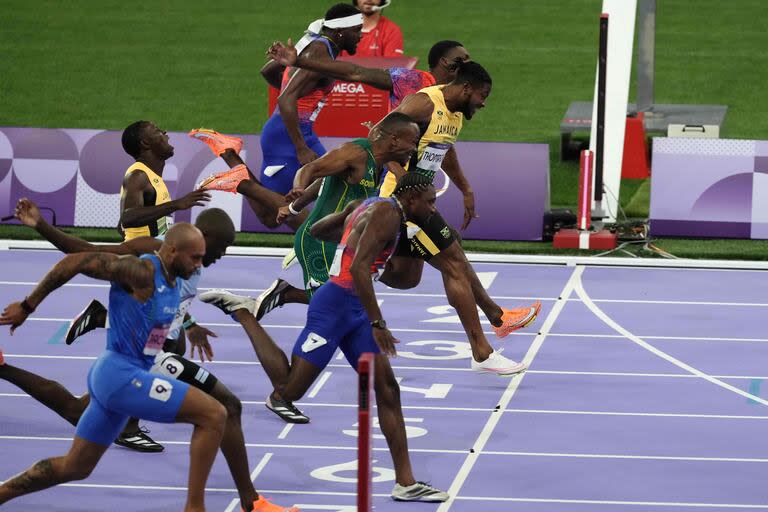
[336,162]
[272,72]
[301,83]
[134,213]
[453,170]
[419,107]
[299,200]
[286,55]
[29,215]
[131,272]
[331,227]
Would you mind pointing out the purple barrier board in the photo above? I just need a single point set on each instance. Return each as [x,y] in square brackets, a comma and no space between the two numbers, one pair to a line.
[77,173]
[709,188]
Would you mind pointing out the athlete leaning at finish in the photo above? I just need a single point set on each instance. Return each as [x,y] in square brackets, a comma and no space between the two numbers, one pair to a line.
[350,172]
[218,232]
[287,139]
[444,57]
[120,380]
[344,313]
[440,112]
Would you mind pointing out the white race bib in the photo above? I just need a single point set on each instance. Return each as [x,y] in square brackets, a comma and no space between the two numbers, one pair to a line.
[432,157]
[336,265]
[156,340]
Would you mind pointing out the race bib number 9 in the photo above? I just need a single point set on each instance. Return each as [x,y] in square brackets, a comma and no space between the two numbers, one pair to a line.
[432,157]
[156,340]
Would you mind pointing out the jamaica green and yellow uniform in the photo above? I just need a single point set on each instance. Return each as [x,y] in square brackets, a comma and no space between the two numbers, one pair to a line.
[315,256]
[161,225]
[441,134]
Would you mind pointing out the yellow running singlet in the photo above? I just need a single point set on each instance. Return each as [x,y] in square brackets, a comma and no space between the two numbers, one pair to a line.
[441,134]
[161,225]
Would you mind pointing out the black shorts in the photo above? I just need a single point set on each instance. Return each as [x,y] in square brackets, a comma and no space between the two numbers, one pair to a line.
[175,366]
[431,237]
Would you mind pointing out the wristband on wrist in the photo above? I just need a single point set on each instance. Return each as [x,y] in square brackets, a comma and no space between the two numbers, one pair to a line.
[27,307]
[290,209]
[189,322]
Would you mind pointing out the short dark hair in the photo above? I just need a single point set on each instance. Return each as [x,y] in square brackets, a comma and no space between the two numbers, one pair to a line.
[341,11]
[412,180]
[438,51]
[394,121]
[473,73]
[215,222]
[132,137]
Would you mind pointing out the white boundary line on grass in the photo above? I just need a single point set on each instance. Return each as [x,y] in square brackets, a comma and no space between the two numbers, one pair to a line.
[509,393]
[479,257]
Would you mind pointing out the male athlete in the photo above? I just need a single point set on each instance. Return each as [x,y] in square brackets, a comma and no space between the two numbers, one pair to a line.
[344,313]
[351,171]
[145,204]
[287,139]
[444,57]
[219,232]
[144,298]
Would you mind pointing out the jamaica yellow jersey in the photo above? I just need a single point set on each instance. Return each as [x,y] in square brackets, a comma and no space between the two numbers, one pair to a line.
[161,225]
[441,134]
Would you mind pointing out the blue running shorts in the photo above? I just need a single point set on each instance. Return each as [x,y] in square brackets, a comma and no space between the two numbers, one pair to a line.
[119,389]
[335,319]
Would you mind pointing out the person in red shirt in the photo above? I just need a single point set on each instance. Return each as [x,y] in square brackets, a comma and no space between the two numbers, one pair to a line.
[381,37]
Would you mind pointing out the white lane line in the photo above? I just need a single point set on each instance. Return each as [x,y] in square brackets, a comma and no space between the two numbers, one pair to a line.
[614,502]
[590,336]
[233,505]
[579,288]
[211,489]
[604,336]
[319,384]
[284,433]
[260,466]
[493,419]
[617,456]
[383,449]
[507,453]
[442,295]
[648,414]
[324,378]
[487,409]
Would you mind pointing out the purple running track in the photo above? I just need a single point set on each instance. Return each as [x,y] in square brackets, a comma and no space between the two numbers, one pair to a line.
[597,423]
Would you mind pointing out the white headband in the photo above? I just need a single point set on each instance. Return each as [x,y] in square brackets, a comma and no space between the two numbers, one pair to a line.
[316,26]
[345,22]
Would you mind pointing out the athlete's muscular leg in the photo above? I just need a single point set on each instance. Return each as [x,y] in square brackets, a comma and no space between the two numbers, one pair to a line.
[233,445]
[457,283]
[402,272]
[290,381]
[455,254]
[391,419]
[263,202]
[209,419]
[49,393]
[77,464]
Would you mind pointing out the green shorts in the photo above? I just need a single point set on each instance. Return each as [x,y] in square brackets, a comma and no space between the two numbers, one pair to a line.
[315,258]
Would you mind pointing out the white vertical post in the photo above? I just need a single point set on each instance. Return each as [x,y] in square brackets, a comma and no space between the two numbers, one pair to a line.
[621,35]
